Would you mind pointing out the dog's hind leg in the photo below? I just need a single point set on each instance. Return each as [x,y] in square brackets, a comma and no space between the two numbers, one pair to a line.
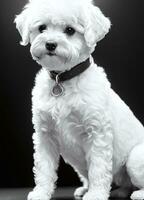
[135,168]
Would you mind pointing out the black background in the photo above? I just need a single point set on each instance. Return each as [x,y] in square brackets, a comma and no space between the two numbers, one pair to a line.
[120,53]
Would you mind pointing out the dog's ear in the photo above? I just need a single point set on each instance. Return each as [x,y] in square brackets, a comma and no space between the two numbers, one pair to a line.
[96,27]
[21,21]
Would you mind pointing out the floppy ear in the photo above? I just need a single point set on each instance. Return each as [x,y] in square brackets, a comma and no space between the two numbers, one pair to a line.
[21,21]
[97,26]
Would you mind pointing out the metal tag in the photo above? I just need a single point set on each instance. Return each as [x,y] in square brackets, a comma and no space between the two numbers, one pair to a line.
[57,90]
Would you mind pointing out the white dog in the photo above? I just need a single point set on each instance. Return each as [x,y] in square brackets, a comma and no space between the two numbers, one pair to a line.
[76,114]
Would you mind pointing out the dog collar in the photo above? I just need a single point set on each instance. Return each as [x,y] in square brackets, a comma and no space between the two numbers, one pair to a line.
[60,77]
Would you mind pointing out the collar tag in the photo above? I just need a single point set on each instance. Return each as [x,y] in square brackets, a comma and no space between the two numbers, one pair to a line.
[58,88]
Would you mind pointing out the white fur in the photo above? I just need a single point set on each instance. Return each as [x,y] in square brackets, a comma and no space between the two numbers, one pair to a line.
[89,125]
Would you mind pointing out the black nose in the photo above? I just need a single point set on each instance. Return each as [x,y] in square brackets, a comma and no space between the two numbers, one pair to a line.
[51,46]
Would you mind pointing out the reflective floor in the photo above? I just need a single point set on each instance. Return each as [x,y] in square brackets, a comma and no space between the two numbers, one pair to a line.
[21,194]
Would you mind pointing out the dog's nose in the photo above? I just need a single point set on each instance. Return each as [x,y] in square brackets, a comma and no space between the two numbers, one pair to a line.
[51,46]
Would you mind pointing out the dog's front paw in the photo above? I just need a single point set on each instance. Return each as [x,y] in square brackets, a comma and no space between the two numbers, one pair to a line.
[138,195]
[38,195]
[95,195]
[79,192]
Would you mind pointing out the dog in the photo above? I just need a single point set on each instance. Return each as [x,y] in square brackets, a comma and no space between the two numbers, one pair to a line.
[76,113]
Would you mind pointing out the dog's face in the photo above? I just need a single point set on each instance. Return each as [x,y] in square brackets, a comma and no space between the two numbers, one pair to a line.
[62,33]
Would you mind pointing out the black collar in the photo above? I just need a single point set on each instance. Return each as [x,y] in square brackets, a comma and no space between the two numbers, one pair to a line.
[67,75]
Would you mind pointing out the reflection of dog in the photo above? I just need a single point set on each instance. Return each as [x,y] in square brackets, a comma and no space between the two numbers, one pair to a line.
[76,114]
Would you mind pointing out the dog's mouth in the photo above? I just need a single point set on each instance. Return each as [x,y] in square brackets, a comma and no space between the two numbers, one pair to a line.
[51,54]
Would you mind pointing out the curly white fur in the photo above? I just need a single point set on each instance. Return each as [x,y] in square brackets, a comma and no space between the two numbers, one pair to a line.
[90,126]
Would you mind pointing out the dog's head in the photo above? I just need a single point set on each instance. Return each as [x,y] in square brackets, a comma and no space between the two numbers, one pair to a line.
[62,33]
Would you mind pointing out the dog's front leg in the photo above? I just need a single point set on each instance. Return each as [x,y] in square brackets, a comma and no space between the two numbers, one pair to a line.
[46,159]
[99,160]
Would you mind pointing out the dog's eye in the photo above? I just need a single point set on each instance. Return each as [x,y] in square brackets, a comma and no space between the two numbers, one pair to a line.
[42,28]
[69,31]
